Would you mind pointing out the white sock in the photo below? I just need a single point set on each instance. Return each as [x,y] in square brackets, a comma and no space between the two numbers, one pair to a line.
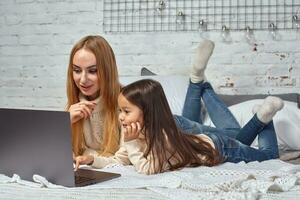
[203,53]
[266,111]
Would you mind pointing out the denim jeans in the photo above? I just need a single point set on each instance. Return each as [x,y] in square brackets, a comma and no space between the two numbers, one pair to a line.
[231,141]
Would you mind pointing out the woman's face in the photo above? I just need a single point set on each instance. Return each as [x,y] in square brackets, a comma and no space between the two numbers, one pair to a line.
[85,73]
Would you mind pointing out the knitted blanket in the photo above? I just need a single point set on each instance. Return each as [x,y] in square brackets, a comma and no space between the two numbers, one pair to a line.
[273,179]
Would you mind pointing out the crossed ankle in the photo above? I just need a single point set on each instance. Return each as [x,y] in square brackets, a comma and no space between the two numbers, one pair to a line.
[267,110]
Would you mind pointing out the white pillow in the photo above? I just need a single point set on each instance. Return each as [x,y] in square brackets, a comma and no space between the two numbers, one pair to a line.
[286,122]
[175,88]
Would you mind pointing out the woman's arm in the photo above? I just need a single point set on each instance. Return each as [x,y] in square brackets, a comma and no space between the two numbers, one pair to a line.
[81,110]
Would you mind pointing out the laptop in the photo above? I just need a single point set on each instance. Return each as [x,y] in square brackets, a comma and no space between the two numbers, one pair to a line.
[39,142]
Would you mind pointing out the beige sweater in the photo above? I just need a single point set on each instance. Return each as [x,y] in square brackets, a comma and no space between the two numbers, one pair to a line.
[93,128]
[132,152]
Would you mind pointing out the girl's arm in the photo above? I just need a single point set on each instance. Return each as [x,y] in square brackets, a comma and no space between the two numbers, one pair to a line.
[120,157]
[135,150]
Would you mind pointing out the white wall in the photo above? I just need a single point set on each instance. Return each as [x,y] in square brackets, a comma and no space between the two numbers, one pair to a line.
[36,37]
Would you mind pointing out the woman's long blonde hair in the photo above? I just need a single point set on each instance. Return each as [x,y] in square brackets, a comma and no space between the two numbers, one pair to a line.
[109,90]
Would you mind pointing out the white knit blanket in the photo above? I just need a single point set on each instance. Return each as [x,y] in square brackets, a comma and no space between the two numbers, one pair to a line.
[273,179]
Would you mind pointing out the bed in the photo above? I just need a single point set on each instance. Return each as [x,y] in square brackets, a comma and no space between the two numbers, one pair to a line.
[273,179]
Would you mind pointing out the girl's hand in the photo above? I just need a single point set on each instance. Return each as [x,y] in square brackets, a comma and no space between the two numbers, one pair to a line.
[132,132]
[81,110]
[83,160]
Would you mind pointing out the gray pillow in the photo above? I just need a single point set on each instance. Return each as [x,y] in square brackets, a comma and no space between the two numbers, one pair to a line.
[146,72]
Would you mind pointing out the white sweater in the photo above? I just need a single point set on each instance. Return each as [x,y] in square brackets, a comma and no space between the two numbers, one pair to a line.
[93,128]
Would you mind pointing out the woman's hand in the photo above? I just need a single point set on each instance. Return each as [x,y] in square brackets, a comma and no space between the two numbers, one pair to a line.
[81,110]
[83,160]
[132,132]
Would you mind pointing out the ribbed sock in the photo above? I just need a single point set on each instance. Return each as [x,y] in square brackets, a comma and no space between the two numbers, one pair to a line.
[266,111]
[203,53]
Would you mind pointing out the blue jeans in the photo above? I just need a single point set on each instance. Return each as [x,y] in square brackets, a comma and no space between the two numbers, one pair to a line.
[231,141]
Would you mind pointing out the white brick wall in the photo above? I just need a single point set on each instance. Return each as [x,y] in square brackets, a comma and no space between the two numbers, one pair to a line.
[36,37]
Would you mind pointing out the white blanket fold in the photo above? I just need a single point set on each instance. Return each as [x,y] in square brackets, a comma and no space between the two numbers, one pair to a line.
[231,181]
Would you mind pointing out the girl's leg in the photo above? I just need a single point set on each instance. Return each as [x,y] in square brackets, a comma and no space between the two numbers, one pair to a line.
[264,115]
[267,141]
[249,132]
[235,151]
[217,110]
[262,125]
[192,103]
[192,127]
[231,149]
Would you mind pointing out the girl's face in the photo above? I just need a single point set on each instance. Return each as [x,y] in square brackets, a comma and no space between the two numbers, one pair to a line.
[129,113]
[85,73]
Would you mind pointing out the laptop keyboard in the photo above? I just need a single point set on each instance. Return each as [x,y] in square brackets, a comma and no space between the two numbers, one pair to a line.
[81,179]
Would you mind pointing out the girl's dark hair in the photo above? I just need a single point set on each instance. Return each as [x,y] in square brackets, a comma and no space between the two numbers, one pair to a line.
[164,140]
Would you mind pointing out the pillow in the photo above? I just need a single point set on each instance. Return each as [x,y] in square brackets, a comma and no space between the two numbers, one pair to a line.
[146,72]
[175,88]
[286,122]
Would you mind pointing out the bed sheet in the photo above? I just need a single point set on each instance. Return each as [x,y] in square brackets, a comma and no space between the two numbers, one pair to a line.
[272,179]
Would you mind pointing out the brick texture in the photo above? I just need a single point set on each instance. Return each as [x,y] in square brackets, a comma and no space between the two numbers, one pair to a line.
[36,37]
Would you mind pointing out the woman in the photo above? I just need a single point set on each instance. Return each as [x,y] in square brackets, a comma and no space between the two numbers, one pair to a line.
[92,91]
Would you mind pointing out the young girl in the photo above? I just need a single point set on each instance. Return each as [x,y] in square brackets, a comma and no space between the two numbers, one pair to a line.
[153,143]
[92,91]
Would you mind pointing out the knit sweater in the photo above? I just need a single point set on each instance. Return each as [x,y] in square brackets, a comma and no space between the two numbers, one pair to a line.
[132,152]
[93,128]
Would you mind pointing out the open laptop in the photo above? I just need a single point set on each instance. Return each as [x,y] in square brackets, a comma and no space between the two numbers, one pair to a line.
[39,142]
